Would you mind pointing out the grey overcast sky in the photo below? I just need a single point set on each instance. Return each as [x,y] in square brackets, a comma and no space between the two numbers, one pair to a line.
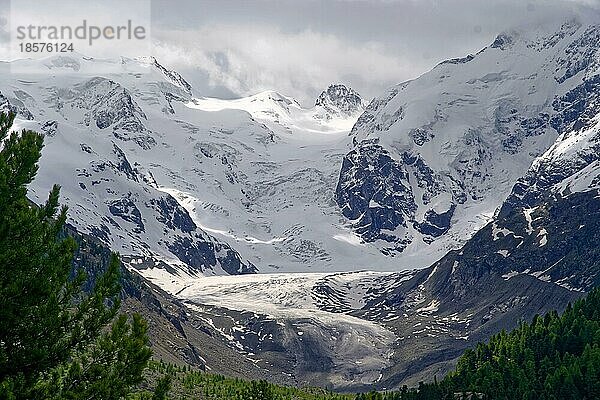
[233,48]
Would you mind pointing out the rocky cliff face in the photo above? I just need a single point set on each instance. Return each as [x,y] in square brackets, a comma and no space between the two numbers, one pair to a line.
[340,100]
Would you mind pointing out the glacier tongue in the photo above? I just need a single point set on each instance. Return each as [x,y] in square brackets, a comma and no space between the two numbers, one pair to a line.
[314,312]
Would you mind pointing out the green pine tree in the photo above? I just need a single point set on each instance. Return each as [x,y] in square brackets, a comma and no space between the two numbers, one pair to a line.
[56,342]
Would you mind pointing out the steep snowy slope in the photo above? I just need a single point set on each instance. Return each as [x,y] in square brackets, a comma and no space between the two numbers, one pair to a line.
[435,157]
[96,128]
[572,163]
[539,253]
[277,203]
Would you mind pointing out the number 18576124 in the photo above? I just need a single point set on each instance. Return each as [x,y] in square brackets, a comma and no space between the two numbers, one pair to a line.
[45,47]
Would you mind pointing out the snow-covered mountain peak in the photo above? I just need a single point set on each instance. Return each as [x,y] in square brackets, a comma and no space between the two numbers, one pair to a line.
[340,100]
[433,157]
[451,144]
[172,76]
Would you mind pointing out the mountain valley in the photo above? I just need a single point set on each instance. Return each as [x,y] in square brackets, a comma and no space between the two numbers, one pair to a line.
[351,244]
